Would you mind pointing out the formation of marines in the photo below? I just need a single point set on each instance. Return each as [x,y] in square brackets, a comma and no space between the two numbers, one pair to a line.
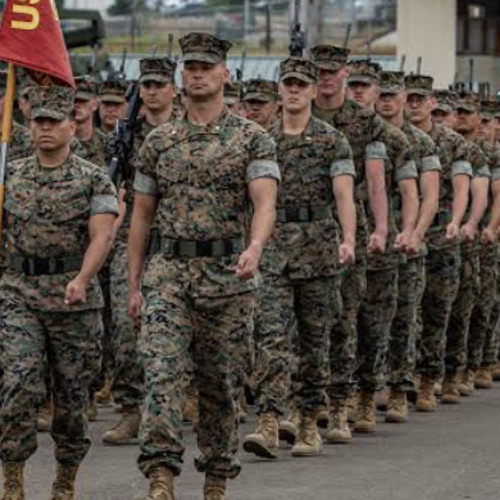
[319,245]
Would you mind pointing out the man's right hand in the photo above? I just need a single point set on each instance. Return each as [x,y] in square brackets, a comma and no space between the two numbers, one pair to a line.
[452,231]
[134,304]
[377,242]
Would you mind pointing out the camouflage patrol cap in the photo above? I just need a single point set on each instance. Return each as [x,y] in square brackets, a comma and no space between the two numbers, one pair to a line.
[300,68]
[157,69]
[364,71]
[419,84]
[204,47]
[113,91]
[85,88]
[467,101]
[232,92]
[25,84]
[260,90]
[52,102]
[488,109]
[446,100]
[329,57]
[392,82]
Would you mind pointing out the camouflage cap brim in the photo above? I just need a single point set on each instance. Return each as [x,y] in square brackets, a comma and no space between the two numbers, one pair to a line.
[487,115]
[230,101]
[299,76]
[422,92]
[330,65]
[445,108]
[361,79]
[155,77]
[465,106]
[391,89]
[48,113]
[84,96]
[202,57]
[112,98]
[257,96]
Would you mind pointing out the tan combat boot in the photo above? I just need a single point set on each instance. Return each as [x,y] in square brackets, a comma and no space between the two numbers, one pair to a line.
[91,411]
[426,399]
[127,430]
[13,481]
[289,428]
[44,417]
[483,379]
[366,419]
[264,441]
[103,396]
[64,484]
[397,408]
[214,488]
[438,388]
[309,441]
[338,426]
[466,386]
[352,408]
[161,484]
[495,371]
[451,394]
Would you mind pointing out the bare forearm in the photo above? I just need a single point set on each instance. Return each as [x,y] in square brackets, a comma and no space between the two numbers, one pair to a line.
[346,209]
[479,204]
[409,209]
[137,246]
[377,197]
[460,200]
[95,256]
[263,221]
[495,209]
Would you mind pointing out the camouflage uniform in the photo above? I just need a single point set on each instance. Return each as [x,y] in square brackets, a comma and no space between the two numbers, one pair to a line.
[128,383]
[111,91]
[379,305]
[363,129]
[411,282]
[47,218]
[199,174]
[470,284]
[443,259]
[479,325]
[300,268]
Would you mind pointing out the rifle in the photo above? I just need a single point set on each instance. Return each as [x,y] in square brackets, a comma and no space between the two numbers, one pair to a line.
[419,65]
[170,49]
[91,63]
[403,63]
[298,38]
[121,73]
[240,71]
[347,35]
[123,137]
[471,74]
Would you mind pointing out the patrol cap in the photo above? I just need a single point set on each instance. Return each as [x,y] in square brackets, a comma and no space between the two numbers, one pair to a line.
[300,68]
[232,93]
[204,47]
[419,84]
[52,102]
[261,90]
[25,82]
[364,71]
[446,100]
[488,110]
[86,88]
[467,101]
[157,69]
[329,57]
[113,91]
[392,82]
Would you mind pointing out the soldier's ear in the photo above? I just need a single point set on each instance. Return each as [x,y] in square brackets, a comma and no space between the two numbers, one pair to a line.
[225,74]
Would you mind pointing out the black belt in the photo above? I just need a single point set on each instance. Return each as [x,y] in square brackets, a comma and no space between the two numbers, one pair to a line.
[193,248]
[34,266]
[307,213]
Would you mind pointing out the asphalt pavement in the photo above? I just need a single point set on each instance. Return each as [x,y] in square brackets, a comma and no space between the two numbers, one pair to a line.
[453,454]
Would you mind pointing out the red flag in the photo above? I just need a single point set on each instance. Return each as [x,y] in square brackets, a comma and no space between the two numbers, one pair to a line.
[31,37]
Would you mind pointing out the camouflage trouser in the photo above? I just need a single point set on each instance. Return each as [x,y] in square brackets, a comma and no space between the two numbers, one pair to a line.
[213,331]
[442,274]
[344,333]
[128,383]
[457,332]
[492,337]
[71,342]
[315,303]
[374,327]
[402,346]
[107,348]
[482,310]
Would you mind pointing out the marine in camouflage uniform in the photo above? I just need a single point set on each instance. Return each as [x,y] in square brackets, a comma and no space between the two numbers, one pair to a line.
[128,377]
[443,258]
[411,281]
[379,305]
[260,99]
[468,117]
[232,96]
[200,177]
[49,296]
[363,129]
[112,103]
[479,326]
[301,269]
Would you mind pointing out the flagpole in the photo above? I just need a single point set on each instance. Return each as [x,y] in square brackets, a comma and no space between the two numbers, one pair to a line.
[6,135]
